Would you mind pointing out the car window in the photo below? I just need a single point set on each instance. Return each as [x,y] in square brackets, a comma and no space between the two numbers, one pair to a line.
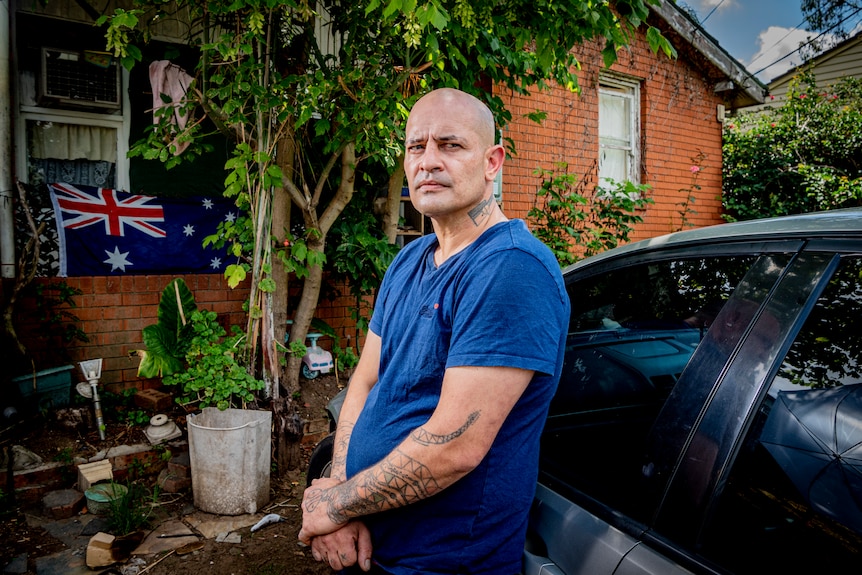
[793,501]
[631,334]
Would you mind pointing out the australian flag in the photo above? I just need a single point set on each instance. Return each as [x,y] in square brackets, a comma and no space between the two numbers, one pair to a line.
[109,232]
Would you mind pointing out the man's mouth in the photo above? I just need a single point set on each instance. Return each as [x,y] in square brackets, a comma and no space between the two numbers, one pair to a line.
[429,184]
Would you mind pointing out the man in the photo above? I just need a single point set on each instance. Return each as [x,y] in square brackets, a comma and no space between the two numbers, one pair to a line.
[436,451]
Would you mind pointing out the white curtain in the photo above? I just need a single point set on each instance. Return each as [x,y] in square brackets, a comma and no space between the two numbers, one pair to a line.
[614,136]
[73,142]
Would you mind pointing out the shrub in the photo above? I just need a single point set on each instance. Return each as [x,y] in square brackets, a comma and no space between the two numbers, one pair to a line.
[801,157]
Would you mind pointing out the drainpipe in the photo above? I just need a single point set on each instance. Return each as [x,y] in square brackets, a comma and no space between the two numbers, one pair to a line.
[7,196]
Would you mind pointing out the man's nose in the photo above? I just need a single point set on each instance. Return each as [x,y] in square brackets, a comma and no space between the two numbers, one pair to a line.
[431,158]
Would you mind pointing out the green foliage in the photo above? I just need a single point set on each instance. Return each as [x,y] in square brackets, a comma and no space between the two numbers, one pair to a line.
[361,256]
[566,216]
[346,358]
[212,376]
[684,206]
[131,511]
[64,456]
[297,349]
[801,157]
[53,302]
[169,338]
[121,407]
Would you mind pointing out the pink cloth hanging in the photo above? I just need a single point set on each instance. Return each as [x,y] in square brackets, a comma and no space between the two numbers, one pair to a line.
[171,80]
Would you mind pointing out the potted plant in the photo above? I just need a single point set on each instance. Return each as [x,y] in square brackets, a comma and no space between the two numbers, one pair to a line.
[229,444]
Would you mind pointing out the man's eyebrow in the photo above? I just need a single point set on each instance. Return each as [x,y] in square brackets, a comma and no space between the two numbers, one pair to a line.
[420,139]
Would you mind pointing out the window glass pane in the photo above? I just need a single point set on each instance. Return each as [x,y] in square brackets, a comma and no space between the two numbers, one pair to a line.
[631,333]
[794,499]
[71,153]
[614,117]
[614,165]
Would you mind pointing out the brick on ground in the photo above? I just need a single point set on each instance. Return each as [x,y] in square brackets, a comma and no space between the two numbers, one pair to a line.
[153,400]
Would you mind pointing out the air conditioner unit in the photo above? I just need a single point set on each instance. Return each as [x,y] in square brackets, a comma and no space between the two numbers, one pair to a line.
[88,79]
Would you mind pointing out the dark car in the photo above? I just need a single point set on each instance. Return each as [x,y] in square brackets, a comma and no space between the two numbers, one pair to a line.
[709,415]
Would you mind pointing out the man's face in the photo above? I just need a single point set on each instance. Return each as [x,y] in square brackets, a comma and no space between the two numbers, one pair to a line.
[446,161]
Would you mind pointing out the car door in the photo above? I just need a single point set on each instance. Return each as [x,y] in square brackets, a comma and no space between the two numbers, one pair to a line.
[635,325]
[781,488]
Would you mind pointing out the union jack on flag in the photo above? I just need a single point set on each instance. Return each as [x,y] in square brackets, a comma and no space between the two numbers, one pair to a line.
[104,206]
[110,232]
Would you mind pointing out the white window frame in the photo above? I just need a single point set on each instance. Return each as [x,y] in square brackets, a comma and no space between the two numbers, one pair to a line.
[119,122]
[618,86]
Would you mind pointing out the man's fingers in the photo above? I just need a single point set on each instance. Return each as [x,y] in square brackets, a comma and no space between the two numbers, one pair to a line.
[363,547]
[303,537]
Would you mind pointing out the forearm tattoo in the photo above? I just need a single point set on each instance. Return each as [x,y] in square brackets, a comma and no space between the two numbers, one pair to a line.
[339,450]
[397,481]
[425,437]
[483,209]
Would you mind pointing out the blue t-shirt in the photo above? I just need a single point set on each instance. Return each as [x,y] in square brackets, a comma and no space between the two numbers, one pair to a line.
[499,302]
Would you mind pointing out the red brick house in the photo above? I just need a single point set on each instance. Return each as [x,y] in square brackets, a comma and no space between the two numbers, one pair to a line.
[649,119]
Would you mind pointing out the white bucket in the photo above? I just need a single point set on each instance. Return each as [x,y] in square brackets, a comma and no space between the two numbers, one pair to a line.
[230,452]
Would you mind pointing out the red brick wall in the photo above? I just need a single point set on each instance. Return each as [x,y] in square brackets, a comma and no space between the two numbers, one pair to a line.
[678,122]
[113,311]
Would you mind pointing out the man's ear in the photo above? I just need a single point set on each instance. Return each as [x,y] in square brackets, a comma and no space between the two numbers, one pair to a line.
[494,161]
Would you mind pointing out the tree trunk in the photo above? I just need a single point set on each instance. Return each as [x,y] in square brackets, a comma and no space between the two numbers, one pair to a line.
[280,230]
[393,201]
[287,425]
[317,241]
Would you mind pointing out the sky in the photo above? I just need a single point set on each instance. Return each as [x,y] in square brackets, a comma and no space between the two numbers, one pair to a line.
[763,35]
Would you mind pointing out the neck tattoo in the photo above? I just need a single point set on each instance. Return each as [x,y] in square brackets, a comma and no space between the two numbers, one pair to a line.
[481,210]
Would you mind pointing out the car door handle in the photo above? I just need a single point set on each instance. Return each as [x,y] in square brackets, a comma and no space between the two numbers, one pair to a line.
[538,565]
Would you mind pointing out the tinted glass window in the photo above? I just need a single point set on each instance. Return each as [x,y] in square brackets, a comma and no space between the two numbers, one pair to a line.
[793,503]
[632,331]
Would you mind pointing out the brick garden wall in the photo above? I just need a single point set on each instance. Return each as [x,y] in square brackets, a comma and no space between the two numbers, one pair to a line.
[113,311]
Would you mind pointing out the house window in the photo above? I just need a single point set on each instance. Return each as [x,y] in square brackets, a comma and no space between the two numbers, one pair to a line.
[619,127]
[83,154]
[75,148]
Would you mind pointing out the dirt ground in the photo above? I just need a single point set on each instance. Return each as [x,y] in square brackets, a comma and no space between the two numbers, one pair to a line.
[272,550]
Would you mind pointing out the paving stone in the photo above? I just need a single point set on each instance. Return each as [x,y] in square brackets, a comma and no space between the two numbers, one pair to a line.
[232,537]
[64,563]
[63,503]
[16,565]
[69,531]
[210,525]
[171,534]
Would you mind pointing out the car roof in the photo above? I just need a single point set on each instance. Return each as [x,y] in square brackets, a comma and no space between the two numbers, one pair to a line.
[834,223]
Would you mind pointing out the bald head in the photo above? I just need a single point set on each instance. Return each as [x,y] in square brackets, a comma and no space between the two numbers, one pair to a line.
[468,108]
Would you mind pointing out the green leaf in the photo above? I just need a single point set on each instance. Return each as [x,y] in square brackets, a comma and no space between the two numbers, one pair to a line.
[234,274]
[176,307]
[267,285]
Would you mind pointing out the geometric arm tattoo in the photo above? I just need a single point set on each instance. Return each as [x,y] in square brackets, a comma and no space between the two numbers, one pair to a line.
[396,481]
[423,437]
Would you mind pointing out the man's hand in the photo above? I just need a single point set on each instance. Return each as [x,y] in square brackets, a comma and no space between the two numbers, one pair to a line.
[318,517]
[350,545]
